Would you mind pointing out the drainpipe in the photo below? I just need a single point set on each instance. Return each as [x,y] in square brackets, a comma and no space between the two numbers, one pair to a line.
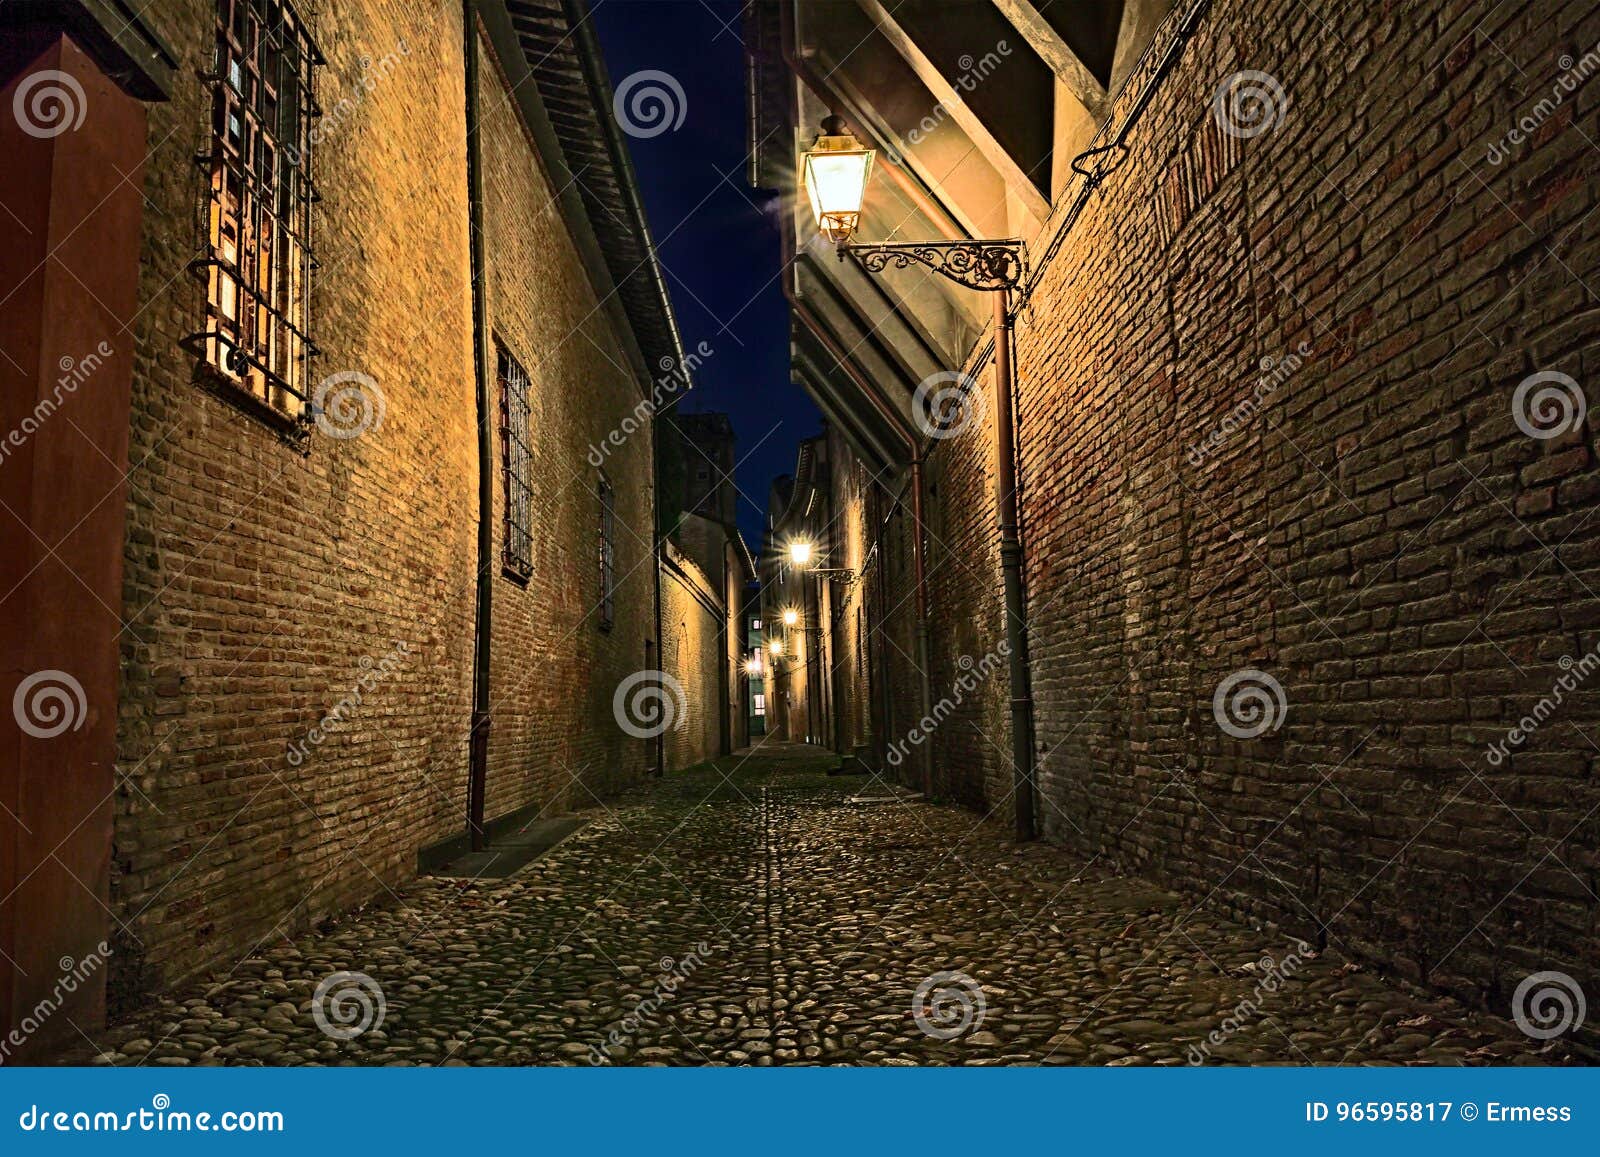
[478,770]
[1011,567]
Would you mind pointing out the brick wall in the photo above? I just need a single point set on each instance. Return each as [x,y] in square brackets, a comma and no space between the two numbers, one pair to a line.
[266,590]
[691,653]
[1266,423]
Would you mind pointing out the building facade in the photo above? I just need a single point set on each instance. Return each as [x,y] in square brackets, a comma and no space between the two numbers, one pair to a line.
[359,512]
[1298,556]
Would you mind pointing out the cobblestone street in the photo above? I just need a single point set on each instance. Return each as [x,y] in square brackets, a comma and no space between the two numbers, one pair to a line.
[746,913]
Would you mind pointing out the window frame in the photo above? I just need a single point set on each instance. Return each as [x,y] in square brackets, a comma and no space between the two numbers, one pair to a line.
[255,347]
[516,466]
[606,493]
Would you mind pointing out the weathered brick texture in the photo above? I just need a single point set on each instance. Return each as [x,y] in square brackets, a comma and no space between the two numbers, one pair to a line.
[1351,298]
[692,654]
[298,650]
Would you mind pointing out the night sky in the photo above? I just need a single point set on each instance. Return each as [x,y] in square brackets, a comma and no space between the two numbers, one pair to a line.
[718,243]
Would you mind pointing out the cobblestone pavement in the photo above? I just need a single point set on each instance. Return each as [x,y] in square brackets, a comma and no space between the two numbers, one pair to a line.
[745,913]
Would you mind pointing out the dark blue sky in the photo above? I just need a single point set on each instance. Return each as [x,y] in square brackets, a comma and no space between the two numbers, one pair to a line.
[718,243]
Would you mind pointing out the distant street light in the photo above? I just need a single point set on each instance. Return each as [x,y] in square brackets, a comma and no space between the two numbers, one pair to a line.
[791,617]
[800,552]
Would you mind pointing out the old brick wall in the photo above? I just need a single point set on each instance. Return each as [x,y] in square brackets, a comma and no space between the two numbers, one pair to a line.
[850,537]
[298,654]
[1267,424]
[555,741]
[691,651]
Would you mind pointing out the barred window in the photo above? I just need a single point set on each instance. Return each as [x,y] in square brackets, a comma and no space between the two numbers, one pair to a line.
[258,263]
[608,553]
[516,470]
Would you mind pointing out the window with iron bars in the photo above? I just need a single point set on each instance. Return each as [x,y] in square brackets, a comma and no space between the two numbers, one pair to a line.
[608,553]
[258,263]
[516,455]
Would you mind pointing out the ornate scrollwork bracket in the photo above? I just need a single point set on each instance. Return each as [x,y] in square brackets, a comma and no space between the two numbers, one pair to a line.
[984,265]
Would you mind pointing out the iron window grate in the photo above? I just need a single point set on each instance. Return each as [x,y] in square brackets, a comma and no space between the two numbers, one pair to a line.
[516,455]
[608,553]
[258,264]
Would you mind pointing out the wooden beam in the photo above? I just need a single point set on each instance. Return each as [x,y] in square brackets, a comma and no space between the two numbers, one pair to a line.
[1055,52]
[962,113]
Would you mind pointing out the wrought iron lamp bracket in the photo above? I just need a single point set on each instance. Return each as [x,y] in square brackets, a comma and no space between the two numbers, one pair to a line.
[982,265]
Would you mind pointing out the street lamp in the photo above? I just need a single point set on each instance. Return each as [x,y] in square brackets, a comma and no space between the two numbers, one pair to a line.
[993,266]
[776,646]
[800,552]
[752,665]
[791,617]
[835,174]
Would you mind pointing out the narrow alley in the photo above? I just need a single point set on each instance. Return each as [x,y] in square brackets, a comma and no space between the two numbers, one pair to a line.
[748,912]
